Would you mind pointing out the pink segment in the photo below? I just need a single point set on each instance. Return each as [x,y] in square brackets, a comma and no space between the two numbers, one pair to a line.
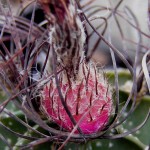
[95,119]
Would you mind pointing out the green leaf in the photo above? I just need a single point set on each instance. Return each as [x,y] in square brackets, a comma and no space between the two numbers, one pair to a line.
[123,76]
[100,144]
[13,125]
[137,117]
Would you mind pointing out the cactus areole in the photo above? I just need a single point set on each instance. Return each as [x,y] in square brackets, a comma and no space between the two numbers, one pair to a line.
[88,98]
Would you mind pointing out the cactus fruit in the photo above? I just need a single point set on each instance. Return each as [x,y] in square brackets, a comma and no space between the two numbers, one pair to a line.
[88,98]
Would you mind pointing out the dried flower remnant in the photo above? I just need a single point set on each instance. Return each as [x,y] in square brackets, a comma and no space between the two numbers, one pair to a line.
[66,32]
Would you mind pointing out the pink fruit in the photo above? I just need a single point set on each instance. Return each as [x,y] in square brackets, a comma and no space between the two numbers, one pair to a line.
[89,95]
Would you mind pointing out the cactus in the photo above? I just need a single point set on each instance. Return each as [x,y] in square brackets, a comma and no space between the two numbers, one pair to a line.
[55,93]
